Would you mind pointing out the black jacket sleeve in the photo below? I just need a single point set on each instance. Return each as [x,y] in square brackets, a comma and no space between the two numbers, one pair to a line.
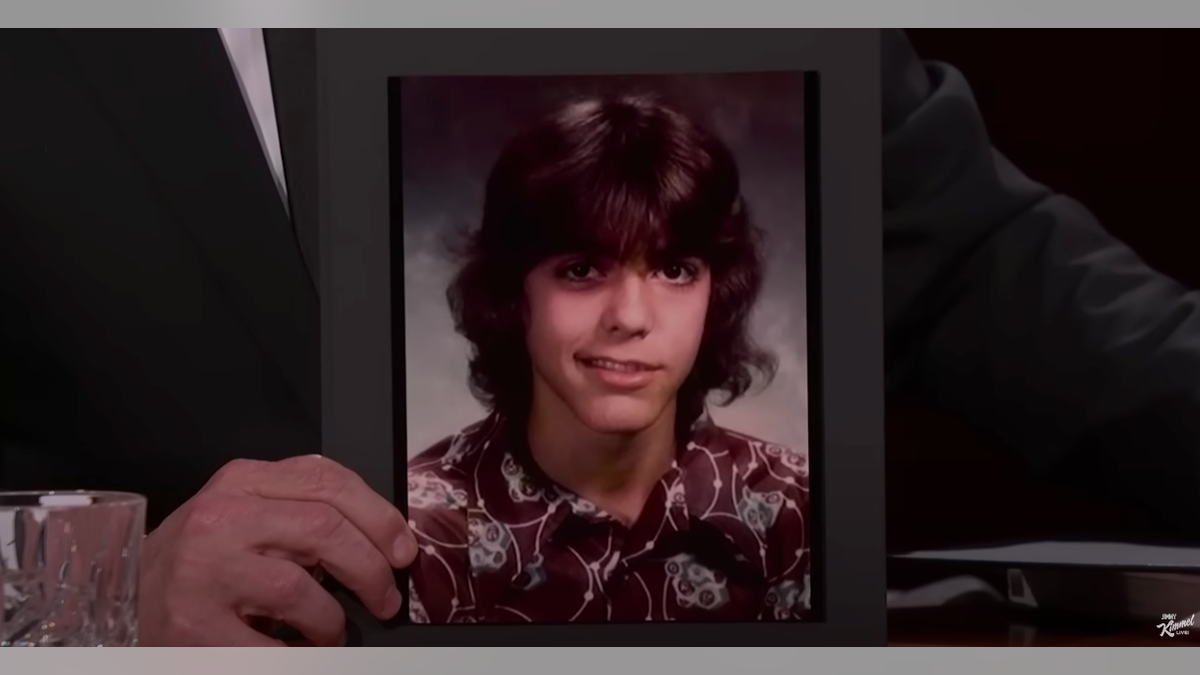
[1011,305]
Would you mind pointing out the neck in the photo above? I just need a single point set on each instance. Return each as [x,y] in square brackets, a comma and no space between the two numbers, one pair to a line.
[615,471]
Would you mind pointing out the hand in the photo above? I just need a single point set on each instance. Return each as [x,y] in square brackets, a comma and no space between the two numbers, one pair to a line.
[243,547]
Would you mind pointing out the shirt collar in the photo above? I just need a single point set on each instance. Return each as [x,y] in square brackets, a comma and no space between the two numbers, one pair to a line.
[515,489]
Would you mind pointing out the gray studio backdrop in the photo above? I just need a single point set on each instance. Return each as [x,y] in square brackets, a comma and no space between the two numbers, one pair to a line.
[452,130]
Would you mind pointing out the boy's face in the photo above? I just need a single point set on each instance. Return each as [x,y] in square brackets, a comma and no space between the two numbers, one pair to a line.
[614,342]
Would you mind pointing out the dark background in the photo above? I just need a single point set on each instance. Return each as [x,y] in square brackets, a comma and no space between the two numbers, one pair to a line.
[1110,118]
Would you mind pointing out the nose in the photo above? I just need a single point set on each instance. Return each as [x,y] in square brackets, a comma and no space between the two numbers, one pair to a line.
[629,312]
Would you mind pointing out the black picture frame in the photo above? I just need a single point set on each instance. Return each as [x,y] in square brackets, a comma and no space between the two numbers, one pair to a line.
[363,385]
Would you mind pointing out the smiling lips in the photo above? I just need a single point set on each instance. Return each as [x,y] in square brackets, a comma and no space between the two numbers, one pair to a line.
[619,374]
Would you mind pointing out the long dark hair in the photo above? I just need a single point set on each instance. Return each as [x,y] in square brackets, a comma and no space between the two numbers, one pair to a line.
[622,177]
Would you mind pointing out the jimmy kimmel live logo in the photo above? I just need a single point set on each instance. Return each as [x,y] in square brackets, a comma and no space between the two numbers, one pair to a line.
[1172,627]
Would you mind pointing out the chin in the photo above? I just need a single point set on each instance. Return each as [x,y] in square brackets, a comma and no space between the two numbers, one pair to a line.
[618,417]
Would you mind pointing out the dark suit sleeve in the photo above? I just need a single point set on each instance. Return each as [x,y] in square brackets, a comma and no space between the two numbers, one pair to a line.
[1011,305]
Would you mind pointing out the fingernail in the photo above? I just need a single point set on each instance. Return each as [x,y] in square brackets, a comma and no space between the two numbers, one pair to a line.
[391,603]
[404,550]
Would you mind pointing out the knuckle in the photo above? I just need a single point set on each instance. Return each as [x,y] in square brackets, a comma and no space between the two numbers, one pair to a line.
[312,462]
[285,582]
[323,522]
[235,469]
[327,479]
[206,513]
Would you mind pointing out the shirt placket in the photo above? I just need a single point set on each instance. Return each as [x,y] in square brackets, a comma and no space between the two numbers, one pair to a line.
[665,514]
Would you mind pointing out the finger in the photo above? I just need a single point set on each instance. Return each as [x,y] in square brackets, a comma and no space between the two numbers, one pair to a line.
[284,591]
[314,533]
[306,533]
[318,479]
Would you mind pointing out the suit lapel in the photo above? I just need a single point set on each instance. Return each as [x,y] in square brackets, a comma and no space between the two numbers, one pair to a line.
[173,96]
[292,55]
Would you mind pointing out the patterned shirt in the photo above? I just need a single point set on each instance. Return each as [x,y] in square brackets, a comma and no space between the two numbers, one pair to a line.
[723,537]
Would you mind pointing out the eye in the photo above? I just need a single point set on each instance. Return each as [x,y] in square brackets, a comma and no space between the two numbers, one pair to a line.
[578,271]
[678,273]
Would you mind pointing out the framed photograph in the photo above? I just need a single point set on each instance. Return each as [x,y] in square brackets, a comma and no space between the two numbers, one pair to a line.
[607,325]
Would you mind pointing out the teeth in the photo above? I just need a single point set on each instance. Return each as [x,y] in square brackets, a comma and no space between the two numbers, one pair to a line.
[613,365]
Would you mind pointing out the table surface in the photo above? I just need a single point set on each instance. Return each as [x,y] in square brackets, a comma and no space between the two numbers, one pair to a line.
[1000,626]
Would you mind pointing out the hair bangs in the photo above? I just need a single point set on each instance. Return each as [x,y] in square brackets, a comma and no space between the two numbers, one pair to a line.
[631,189]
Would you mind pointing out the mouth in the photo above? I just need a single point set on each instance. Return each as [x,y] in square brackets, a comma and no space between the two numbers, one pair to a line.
[615,365]
[619,375]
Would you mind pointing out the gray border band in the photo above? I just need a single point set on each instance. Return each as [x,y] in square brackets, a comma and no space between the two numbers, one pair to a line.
[357,368]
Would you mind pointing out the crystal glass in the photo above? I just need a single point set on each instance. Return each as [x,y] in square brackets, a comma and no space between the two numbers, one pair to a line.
[69,568]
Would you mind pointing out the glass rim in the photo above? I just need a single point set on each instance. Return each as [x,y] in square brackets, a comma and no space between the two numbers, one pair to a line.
[104,499]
